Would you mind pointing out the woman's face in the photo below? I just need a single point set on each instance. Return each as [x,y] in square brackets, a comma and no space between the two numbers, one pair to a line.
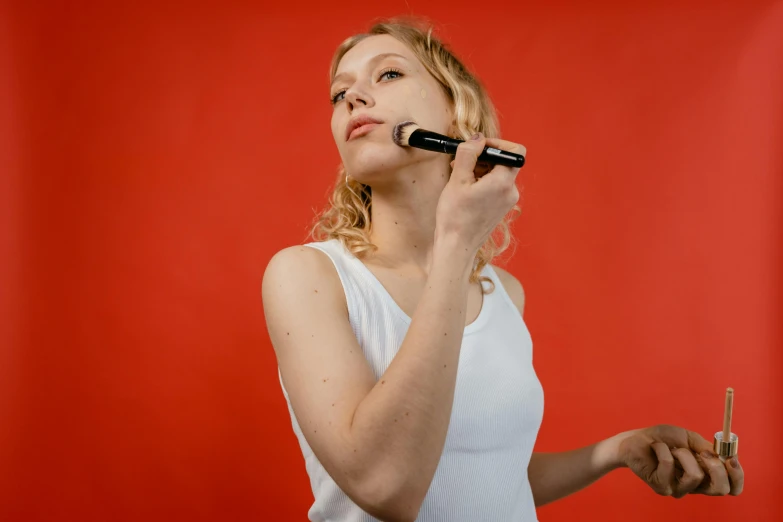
[381,78]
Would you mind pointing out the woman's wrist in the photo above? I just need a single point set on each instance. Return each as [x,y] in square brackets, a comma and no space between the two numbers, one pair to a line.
[613,450]
[451,249]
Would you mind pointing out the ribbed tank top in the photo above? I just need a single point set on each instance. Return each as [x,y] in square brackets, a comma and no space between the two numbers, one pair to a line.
[496,414]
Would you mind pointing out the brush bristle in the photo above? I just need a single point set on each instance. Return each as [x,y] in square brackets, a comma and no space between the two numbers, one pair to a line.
[402,131]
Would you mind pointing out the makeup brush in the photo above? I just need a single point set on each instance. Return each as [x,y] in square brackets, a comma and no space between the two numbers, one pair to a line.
[409,134]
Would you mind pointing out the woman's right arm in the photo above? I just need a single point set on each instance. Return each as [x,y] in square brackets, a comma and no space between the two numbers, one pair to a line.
[381,441]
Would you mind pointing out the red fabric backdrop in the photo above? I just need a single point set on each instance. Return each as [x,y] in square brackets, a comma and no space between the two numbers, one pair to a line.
[155,156]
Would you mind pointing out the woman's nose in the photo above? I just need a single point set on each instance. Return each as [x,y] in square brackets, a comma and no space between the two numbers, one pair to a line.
[356,98]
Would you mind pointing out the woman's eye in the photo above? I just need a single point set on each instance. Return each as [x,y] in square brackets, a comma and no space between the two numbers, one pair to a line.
[392,72]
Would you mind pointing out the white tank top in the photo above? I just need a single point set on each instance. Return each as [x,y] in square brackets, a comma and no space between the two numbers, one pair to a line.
[497,410]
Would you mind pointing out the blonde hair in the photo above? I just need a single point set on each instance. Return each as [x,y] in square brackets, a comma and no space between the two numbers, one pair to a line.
[348,215]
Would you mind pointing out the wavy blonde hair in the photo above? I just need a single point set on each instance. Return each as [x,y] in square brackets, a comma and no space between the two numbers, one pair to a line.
[348,216]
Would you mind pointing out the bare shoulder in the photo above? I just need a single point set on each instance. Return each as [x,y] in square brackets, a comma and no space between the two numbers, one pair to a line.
[513,287]
[300,269]
[296,258]
[297,280]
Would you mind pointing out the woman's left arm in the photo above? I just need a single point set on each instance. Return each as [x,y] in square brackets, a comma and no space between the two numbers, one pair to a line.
[556,475]
[673,461]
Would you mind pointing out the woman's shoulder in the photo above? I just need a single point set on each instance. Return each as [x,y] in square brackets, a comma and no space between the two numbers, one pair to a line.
[301,269]
[298,252]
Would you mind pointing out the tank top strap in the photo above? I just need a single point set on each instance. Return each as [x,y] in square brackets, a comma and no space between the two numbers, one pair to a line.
[351,276]
[500,294]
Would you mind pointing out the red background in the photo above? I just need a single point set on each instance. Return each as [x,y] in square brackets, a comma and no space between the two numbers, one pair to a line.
[154,157]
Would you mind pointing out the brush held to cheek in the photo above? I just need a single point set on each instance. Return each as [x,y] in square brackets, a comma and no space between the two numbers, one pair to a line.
[409,134]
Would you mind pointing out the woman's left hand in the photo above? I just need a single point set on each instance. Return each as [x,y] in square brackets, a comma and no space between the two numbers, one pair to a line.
[674,462]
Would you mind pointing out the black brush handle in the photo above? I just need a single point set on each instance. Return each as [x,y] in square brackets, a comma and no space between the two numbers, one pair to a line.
[432,141]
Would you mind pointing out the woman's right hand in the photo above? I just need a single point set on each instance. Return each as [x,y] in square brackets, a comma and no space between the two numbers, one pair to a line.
[469,207]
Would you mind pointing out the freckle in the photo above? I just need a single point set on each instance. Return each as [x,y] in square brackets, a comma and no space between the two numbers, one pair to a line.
[288,333]
[414,181]
[414,246]
[316,431]
[395,222]
[354,451]
[406,413]
[443,366]
[444,334]
[395,420]
[332,404]
[316,291]
[312,335]
[383,382]
[330,423]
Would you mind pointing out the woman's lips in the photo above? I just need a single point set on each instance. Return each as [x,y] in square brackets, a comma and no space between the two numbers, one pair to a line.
[361,131]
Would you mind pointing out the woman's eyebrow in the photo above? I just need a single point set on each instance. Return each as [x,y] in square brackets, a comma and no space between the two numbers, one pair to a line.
[373,61]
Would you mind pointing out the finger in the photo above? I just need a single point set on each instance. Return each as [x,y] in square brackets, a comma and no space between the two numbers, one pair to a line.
[736,476]
[480,170]
[716,480]
[663,477]
[508,146]
[691,476]
[465,159]
[698,444]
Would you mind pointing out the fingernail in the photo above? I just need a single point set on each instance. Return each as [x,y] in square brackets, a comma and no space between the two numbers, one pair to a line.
[734,462]
[476,136]
[706,455]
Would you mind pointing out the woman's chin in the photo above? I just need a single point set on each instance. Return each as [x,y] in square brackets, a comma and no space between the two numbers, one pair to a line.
[370,177]
[369,167]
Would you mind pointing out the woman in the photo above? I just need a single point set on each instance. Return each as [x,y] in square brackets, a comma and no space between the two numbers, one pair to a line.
[402,351]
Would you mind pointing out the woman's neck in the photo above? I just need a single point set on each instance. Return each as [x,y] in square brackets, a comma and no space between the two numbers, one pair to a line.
[403,216]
